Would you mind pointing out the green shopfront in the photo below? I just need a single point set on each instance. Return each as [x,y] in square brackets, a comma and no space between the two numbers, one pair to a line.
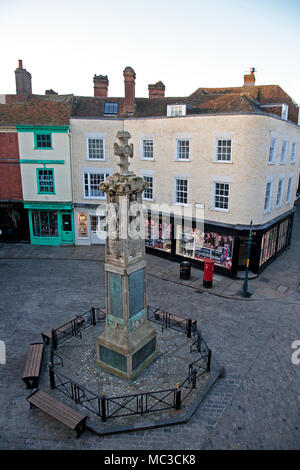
[50,223]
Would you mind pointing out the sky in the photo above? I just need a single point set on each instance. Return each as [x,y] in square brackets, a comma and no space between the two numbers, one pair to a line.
[185,44]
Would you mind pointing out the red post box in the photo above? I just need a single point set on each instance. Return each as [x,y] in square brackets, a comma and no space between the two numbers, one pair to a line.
[208,272]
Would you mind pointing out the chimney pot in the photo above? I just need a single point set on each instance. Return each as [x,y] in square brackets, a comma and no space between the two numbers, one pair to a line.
[20,64]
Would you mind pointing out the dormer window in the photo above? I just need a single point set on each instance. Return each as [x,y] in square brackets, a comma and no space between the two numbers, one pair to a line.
[176,110]
[284,111]
[111,108]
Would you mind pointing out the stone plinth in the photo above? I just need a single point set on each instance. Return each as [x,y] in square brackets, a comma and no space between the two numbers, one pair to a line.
[128,342]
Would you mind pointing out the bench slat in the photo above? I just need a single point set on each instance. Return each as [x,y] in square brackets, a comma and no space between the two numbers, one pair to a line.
[56,409]
[33,364]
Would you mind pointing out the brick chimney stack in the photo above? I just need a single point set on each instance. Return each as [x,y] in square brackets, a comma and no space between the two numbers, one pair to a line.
[157,90]
[249,80]
[101,85]
[129,81]
[23,82]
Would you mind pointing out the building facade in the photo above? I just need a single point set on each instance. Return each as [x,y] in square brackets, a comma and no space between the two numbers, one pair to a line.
[234,155]
[13,216]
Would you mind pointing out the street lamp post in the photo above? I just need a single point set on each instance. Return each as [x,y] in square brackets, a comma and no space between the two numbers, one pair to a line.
[244,291]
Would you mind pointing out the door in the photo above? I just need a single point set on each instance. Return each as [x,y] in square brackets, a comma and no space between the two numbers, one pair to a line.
[67,230]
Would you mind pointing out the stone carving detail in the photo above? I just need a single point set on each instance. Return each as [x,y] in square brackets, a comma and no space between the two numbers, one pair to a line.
[124,151]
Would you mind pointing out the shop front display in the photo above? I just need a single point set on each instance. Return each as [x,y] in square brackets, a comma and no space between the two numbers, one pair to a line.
[90,224]
[158,234]
[50,224]
[194,243]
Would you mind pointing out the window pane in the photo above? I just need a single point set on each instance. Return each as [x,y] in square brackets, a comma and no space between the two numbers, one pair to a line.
[96,149]
[43,140]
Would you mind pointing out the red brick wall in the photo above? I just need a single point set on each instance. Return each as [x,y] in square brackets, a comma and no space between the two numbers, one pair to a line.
[10,174]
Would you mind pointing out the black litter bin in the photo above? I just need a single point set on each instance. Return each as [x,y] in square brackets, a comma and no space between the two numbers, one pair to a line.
[185,270]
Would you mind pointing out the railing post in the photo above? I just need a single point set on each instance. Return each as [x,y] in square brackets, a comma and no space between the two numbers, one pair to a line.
[93,316]
[54,339]
[208,360]
[52,378]
[194,378]
[189,328]
[103,408]
[177,397]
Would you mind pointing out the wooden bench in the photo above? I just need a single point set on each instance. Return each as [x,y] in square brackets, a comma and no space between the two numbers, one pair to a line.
[58,410]
[33,365]
[64,329]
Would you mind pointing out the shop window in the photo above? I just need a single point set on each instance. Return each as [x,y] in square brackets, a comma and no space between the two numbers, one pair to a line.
[158,233]
[45,180]
[193,243]
[44,224]
[268,245]
[282,236]
[82,225]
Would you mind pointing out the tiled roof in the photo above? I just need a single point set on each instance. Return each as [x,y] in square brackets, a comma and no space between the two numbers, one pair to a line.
[57,109]
[202,101]
[36,110]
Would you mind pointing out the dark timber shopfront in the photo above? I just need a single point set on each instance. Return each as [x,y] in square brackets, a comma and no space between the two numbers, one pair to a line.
[226,245]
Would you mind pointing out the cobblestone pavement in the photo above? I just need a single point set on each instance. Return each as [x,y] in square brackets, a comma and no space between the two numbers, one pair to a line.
[255,406]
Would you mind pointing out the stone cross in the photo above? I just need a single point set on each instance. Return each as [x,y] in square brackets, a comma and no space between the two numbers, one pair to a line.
[124,151]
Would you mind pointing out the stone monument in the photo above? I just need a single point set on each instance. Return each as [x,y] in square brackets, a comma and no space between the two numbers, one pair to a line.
[128,342]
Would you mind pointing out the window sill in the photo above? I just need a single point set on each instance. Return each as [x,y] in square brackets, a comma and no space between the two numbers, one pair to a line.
[148,200]
[182,160]
[95,198]
[96,159]
[223,161]
[46,194]
[271,163]
[217,209]
[147,159]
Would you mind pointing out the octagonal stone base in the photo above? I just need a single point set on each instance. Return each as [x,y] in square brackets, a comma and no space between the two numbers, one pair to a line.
[124,353]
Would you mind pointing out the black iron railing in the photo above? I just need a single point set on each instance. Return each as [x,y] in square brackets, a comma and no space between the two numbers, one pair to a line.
[139,403]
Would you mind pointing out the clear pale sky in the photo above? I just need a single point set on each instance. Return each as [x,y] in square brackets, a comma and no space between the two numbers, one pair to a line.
[186,44]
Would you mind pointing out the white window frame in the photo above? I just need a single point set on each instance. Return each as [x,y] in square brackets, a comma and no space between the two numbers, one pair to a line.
[94,136]
[293,152]
[284,111]
[89,173]
[289,190]
[272,150]
[143,196]
[181,139]
[284,151]
[175,110]
[213,207]
[182,178]
[268,208]
[145,139]
[217,139]
[279,194]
